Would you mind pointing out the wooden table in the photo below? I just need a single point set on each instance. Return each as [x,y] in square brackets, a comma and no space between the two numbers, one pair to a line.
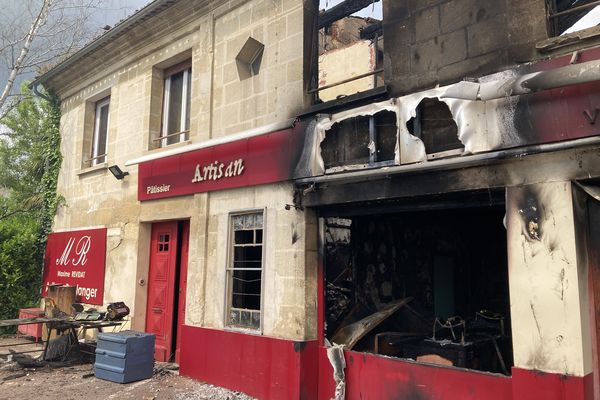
[76,330]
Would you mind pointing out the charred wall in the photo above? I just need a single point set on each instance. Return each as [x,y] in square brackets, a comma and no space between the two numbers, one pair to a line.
[444,41]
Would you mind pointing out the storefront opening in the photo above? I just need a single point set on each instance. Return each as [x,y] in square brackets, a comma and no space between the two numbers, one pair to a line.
[428,285]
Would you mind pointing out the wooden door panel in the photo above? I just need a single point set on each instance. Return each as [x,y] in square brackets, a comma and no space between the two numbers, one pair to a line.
[161,287]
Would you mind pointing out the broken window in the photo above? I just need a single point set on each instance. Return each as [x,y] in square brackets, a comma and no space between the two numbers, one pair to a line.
[422,285]
[568,16]
[436,128]
[365,140]
[244,270]
[350,49]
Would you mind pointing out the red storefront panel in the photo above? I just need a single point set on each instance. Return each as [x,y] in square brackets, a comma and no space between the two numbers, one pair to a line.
[565,113]
[257,160]
[77,258]
[270,368]
[263,367]
[375,377]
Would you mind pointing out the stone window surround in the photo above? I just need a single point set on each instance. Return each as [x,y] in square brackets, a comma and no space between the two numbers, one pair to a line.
[100,132]
[185,68]
[93,159]
[160,73]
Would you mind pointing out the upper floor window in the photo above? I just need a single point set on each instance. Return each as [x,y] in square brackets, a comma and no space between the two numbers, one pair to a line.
[176,104]
[568,16]
[99,138]
[350,50]
[364,140]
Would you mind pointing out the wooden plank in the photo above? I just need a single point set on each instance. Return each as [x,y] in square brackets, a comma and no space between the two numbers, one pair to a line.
[351,334]
[27,321]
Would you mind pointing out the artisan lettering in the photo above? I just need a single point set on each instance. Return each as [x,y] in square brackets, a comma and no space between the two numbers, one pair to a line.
[218,170]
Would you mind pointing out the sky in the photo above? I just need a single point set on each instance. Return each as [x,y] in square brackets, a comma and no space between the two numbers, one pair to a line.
[115,10]
[373,11]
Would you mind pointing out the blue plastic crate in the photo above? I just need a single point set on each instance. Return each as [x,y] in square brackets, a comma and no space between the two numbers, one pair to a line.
[124,357]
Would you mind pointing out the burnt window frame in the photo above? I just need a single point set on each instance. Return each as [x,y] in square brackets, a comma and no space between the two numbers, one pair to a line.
[230,268]
[373,138]
[417,124]
[167,139]
[553,14]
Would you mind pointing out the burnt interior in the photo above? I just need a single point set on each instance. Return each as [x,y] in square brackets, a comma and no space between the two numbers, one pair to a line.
[360,140]
[446,267]
[435,126]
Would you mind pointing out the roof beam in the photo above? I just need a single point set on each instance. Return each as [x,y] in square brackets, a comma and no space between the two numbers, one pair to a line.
[344,9]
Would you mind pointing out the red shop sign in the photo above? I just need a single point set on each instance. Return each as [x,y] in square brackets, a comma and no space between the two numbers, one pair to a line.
[77,258]
[257,160]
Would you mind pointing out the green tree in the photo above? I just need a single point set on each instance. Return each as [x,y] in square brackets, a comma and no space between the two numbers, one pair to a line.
[29,163]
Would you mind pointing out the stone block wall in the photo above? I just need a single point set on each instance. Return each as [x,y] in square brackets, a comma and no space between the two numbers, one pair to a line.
[444,41]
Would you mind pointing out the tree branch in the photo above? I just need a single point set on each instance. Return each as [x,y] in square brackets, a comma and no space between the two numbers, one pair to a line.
[35,26]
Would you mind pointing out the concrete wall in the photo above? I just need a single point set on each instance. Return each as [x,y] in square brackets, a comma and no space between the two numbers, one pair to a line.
[443,41]
[548,281]
[129,69]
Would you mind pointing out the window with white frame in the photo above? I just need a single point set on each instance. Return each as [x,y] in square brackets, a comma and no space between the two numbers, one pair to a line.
[244,270]
[99,138]
[176,104]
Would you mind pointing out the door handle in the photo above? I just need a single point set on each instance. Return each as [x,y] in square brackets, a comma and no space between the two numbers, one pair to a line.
[157,310]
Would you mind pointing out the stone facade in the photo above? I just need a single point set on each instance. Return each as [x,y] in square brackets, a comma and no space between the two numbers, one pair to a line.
[129,69]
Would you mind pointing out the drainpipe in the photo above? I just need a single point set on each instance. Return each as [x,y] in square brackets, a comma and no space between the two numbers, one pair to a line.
[34,86]
[530,83]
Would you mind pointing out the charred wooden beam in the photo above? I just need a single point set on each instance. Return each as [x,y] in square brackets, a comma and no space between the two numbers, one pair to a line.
[371,30]
[342,10]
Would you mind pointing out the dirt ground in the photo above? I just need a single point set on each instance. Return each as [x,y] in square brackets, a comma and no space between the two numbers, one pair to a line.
[77,381]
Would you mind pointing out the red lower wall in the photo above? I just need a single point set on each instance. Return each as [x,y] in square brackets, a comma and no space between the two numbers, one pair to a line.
[375,377]
[270,368]
[535,385]
[260,366]
[370,376]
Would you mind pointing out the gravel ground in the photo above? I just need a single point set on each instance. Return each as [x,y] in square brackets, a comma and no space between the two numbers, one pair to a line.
[76,382]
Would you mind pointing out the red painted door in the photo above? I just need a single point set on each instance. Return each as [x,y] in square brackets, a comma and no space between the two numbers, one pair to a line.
[161,287]
[185,235]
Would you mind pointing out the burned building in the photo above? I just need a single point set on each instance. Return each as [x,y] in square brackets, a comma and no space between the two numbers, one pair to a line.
[445,195]
[291,234]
